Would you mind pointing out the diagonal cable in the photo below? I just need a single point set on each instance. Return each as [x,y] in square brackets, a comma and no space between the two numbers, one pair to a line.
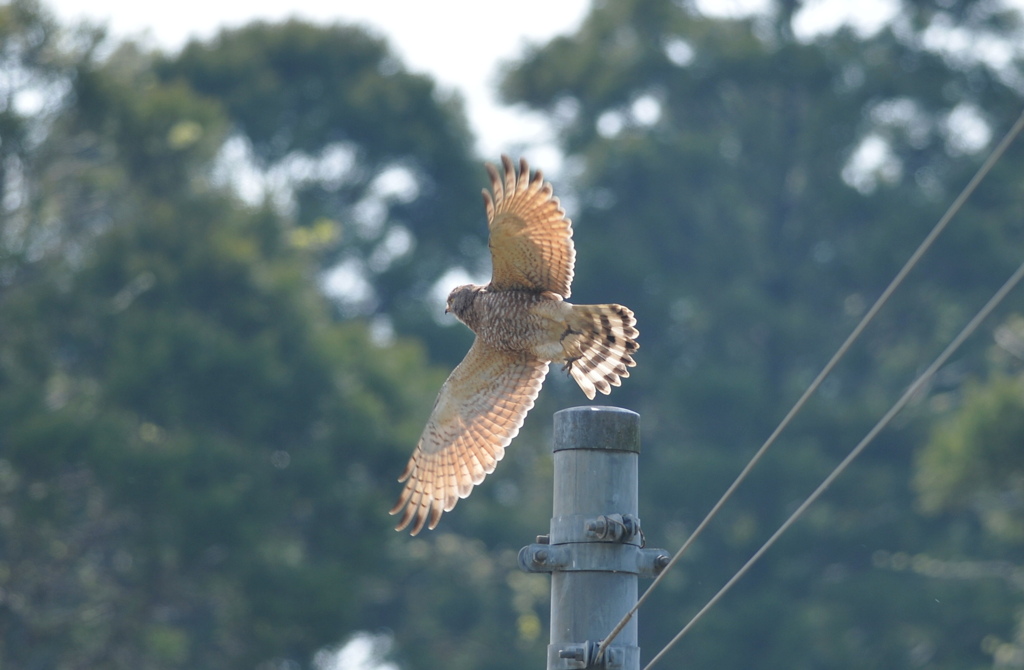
[971,326]
[982,172]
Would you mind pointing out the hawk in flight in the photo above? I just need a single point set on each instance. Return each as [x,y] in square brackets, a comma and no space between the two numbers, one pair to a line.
[522,323]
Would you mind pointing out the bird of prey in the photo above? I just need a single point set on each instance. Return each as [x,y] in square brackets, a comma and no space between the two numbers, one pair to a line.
[522,323]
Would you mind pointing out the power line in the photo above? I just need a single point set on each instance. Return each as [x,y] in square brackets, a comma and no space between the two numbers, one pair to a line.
[971,326]
[969,189]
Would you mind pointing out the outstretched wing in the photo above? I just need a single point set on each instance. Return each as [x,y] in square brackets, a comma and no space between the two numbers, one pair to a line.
[477,413]
[530,237]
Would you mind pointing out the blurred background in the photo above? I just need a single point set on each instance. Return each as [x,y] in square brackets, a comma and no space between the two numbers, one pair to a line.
[225,244]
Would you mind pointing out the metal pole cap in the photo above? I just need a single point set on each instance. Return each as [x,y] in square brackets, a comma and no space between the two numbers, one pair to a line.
[597,427]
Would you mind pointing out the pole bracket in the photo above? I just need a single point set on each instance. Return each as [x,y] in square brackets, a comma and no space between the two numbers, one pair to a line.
[622,528]
[583,656]
[593,557]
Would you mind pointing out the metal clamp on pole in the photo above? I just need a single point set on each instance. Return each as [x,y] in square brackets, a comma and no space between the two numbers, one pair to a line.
[594,550]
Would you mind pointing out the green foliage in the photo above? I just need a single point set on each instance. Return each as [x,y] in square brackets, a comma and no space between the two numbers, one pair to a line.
[971,468]
[338,93]
[973,458]
[281,84]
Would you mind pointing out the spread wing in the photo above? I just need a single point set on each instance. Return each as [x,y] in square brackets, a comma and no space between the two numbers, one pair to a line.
[477,413]
[531,239]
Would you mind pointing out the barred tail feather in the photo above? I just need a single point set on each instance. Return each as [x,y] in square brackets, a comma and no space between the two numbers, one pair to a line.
[599,346]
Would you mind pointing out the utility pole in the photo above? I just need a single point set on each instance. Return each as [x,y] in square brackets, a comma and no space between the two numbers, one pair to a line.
[595,548]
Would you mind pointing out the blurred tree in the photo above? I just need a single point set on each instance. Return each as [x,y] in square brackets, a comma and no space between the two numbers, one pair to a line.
[748,193]
[973,460]
[34,74]
[196,456]
[972,469]
[379,153]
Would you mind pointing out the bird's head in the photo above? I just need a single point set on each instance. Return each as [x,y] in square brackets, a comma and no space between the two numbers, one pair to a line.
[461,299]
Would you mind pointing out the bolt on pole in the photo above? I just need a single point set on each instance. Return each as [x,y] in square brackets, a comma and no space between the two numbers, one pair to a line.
[595,548]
